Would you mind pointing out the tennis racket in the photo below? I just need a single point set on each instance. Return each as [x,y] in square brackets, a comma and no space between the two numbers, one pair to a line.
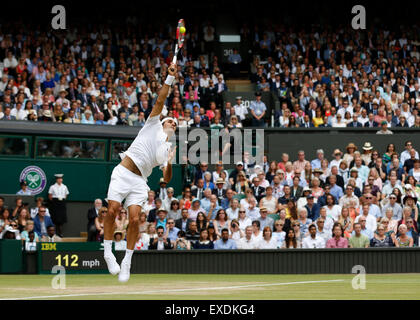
[180,36]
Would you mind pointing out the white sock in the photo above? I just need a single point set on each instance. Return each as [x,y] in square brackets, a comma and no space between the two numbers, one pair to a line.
[108,247]
[128,255]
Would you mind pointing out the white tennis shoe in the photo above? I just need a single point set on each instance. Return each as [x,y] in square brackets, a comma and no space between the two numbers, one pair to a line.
[112,264]
[125,272]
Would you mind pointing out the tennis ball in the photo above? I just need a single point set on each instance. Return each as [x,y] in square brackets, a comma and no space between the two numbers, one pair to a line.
[182,29]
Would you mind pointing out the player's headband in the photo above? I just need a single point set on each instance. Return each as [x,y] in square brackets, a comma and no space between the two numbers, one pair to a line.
[169,118]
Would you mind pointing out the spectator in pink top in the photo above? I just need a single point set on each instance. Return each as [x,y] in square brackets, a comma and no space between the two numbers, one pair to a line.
[338,240]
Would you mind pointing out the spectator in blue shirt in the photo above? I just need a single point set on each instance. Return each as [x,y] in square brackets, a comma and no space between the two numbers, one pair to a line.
[335,190]
[258,110]
[225,243]
[316,163]
[171,230]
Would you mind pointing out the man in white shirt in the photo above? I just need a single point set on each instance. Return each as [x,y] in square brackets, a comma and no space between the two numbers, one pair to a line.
[321,232]
[328,222]
[313,241]
[348,197]
[240,110]
[57,194]
[150,149]
[18,112]
[371,223]
[405,155]
[247,242]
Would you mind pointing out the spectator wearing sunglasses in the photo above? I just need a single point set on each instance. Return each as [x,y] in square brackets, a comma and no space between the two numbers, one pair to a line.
[411,231]
[392,204]
[42,222]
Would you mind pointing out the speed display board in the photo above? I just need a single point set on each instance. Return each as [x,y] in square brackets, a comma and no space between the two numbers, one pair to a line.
[79,257]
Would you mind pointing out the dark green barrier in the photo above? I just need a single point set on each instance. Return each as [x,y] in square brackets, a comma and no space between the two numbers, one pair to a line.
[11,260]
[86,180]
[282,261]
[291,261]
[75,257]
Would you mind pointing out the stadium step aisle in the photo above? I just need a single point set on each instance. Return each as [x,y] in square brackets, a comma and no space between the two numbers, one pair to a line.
[239,85]
[74,239]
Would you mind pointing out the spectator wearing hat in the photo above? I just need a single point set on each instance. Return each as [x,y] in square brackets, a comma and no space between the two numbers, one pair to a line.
[234,174]
[241,111]
[219,191]
[384,128]
[264,219]
[312,208]
[24,189]
[258,110]
[337,154]
[162,192]
[367,153]
[302,200]
[46,116]
[349,156]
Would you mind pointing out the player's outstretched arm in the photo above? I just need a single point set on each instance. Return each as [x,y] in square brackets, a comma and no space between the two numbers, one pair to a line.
[163,93]
[167,171]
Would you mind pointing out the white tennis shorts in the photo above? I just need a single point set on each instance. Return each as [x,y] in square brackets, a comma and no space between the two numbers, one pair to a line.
[129,186]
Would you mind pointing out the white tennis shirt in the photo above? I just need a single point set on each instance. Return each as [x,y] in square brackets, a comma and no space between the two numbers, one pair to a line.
[150,148]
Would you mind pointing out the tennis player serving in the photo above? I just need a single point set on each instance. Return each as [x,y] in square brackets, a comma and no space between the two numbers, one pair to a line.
[151,148]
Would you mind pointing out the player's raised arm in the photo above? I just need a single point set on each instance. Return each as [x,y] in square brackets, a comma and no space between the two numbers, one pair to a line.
[163,94]
[167,171]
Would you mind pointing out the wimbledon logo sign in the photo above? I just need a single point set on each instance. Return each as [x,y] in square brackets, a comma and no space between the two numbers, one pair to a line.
[35,178]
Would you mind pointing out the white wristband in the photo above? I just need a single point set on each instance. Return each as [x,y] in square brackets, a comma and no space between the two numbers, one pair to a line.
[169,80]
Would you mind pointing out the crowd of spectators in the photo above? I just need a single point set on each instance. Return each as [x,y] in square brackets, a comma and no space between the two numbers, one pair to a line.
[322,77]
[352,198]
[30,225]
[338,77]
[107,78]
